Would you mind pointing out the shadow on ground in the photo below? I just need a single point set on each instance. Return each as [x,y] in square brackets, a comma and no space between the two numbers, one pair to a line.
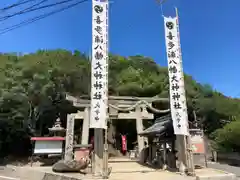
[22,161]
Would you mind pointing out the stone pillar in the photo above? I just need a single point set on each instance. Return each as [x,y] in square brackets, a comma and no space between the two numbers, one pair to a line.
[69,137]
[98,150]
[85,127]
[181,154]
[139,124]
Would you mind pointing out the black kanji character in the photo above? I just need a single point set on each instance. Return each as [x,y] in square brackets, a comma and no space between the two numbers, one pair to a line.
[98,39]
[178,114]
[98,66]
[98,47]
[98,9]
[174,78]
[179,126]
[96,118]
[170,36]
[175,87]
[98,55]
[97,105]
[178,120]
[98,75]
[98,29]
[177,105]
[98,85]
[171,54]
[170,45]
[172,61]
[176,96]
[169,25]
[98,20]
[97,95]
[173,69]
[97,111]
[69,146]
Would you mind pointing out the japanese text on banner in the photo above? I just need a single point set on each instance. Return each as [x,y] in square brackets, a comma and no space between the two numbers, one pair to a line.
[176,79]
[99,64]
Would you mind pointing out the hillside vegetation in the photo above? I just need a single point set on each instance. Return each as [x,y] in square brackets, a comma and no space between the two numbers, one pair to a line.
[33,88]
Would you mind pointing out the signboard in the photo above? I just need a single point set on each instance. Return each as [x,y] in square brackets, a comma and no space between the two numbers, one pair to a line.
[48,145]
[99,81]
[176,78]
[197,141]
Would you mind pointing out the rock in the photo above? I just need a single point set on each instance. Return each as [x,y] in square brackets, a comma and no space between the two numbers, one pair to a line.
[70,166]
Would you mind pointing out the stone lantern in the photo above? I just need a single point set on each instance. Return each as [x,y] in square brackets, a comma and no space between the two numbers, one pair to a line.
[57,129]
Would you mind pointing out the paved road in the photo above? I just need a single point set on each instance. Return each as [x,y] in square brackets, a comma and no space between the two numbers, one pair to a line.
[119,173]
[9,175]
[221,166]
[226,167]
[6,174]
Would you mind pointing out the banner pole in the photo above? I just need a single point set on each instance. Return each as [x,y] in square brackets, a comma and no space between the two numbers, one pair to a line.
[186,140]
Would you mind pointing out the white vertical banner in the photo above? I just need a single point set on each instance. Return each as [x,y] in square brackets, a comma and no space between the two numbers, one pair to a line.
[176,77]
[99,81]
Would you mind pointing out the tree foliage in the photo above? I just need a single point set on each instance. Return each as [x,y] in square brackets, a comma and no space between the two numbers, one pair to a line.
[226,139]
[33,88]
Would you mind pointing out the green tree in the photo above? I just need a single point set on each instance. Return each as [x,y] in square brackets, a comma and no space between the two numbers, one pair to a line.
[33,87]
[227,138]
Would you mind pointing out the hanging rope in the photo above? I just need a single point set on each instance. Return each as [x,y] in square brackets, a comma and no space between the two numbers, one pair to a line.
[141,102]
[138,103]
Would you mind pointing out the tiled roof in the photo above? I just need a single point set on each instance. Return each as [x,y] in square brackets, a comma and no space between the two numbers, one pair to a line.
[159,126]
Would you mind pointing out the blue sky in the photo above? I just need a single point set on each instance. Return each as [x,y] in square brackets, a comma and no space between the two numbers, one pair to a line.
[209,35]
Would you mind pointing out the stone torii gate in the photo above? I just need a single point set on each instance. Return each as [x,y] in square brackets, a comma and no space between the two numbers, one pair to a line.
[119,107]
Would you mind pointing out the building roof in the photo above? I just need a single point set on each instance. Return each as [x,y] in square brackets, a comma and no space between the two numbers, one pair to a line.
[159,127]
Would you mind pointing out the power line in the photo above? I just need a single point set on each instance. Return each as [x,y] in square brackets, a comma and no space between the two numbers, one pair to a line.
[22,11]
[31,9]
[19,3]
[32,20]
[34,5]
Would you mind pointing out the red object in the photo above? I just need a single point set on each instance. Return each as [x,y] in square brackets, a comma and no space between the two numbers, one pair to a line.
[124,144]
[198,148]
[81,153]
[47,138]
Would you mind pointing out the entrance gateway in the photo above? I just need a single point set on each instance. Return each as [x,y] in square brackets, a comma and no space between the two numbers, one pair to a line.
[120,108]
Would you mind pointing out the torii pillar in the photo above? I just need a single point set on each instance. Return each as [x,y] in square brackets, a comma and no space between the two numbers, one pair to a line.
[85,127]
[139,124]
[140,114]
